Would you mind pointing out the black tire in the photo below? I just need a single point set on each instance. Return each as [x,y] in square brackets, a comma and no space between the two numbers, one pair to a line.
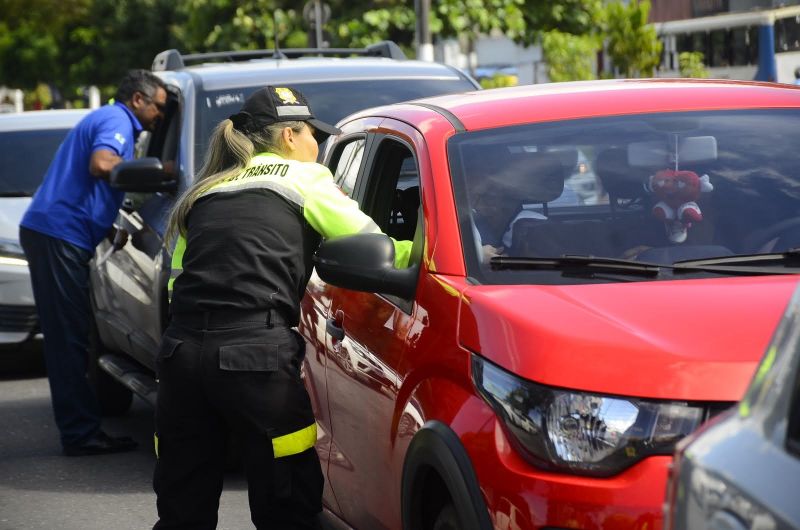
[447,518]
[115,399]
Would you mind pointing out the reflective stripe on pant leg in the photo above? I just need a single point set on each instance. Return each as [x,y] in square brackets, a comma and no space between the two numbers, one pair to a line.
[295,442]
[155,443]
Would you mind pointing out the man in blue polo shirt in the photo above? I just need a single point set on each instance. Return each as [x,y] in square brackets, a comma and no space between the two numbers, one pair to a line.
[71,212]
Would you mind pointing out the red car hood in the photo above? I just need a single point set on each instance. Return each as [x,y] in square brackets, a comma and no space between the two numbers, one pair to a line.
[682,340]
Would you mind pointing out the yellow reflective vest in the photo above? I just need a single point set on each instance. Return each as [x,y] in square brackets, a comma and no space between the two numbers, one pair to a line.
[309,185]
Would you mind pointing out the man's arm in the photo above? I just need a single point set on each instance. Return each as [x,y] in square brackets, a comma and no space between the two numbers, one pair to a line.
[102,162]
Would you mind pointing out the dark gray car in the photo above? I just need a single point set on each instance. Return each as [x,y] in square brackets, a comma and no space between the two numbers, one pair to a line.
[128,287]
[742,471]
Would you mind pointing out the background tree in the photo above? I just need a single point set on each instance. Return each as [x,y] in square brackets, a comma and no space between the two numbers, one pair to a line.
[572,17]
[633,45]
[32,36]
[219,25]
[117,35]
[691,64]
[359,23]
[570,57]
[567,32]
[468,19]
[69,43]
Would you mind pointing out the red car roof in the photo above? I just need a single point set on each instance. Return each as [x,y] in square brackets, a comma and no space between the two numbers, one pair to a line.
[586,99]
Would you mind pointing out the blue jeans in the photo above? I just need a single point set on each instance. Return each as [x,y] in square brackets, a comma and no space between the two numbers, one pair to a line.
[60,278]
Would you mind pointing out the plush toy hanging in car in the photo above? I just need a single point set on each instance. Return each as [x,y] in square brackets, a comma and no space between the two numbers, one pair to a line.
[677,191]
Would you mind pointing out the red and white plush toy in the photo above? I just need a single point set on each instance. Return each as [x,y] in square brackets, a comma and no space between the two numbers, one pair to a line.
[677,191]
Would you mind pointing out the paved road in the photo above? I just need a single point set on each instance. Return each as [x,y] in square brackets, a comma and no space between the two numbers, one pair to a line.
[40,489]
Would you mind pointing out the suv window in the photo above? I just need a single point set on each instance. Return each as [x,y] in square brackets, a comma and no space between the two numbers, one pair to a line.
[24,158]
[331,100]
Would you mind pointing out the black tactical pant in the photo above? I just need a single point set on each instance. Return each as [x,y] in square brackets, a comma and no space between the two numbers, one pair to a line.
[223,373]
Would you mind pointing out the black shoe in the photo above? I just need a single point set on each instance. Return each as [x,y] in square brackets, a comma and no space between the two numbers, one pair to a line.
[101,444]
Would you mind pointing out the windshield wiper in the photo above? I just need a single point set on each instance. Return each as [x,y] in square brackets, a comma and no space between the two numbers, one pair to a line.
[577,263]
[752,264]
[15,194]
[788,262]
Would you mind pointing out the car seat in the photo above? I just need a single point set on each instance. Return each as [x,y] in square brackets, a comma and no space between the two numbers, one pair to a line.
[405,204]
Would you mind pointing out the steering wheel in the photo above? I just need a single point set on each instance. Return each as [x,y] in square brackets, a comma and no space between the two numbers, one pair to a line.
[786,234]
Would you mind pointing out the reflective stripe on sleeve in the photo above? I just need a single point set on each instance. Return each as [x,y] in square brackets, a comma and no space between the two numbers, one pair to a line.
[295,442]
[177,264]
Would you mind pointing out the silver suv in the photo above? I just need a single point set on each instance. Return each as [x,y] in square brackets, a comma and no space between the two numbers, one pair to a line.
[128,286]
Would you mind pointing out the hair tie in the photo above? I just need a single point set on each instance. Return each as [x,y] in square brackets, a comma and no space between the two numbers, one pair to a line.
[242,121]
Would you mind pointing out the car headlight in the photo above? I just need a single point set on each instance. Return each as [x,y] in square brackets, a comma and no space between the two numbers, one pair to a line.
[11,253]
[580,432]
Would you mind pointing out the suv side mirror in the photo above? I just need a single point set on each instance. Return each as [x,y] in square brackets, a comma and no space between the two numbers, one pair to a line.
[142,175]
[365,262]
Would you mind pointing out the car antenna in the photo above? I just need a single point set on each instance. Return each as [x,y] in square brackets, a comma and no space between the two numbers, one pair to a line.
[277,54]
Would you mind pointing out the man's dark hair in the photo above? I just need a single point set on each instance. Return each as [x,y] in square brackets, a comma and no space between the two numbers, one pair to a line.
[138,81]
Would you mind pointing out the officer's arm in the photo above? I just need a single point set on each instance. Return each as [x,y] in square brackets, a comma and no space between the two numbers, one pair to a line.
[332,213]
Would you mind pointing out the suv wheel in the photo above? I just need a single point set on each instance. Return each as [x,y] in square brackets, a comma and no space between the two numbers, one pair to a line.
[115,399]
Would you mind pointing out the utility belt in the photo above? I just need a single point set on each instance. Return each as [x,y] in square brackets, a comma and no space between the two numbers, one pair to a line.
[229,318]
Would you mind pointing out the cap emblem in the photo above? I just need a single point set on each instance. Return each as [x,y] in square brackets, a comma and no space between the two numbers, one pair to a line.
[286,95]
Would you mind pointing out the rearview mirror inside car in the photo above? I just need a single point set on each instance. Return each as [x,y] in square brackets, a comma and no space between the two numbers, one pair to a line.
[142,175]
[660,154]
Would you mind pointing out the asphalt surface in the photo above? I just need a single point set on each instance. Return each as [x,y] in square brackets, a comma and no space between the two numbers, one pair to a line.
[41,489]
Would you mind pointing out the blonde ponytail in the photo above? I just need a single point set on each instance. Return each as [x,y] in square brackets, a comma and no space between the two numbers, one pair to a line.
[229,152]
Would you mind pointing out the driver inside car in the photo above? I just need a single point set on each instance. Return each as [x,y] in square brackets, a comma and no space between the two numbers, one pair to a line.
[500,195]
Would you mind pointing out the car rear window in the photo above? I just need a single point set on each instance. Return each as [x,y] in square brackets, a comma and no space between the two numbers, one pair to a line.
[24,158]
[330,100]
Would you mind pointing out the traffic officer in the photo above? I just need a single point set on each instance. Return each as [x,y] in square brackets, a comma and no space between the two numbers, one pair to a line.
[230,361]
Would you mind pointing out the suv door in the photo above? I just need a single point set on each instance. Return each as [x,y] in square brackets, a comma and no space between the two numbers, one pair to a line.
[129,285]
[367,337]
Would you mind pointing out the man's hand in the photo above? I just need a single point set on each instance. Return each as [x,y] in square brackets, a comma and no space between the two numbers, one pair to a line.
[118,237]
[490,251]
[632,253]
[169,167]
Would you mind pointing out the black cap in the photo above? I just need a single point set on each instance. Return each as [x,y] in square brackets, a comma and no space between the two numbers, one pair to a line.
[272,104]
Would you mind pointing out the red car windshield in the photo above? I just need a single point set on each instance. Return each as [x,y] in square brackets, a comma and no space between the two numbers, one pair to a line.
[655,188]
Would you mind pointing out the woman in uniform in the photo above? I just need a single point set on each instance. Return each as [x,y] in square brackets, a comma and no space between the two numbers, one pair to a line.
[230,361]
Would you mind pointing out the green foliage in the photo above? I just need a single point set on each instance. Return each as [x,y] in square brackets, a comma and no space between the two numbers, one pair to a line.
[395,23]
[132,33]
[71,43]
[633,45]
[219,25]
[575,17]
[691,64]
[469,18]
[570,57]
[499,80]
[32,35]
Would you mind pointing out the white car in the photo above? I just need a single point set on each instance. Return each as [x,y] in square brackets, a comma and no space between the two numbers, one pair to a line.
[28,141]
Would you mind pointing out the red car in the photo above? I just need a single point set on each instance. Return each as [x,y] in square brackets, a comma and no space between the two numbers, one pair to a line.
[596,270]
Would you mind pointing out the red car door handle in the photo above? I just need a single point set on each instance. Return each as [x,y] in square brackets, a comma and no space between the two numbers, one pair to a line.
[334,329]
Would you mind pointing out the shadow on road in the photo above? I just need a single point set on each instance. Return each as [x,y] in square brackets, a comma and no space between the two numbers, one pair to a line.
[40,488]
[21,360]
